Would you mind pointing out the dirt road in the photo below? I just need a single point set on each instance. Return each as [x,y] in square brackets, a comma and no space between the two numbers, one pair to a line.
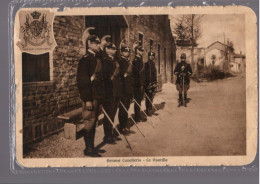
[214,123]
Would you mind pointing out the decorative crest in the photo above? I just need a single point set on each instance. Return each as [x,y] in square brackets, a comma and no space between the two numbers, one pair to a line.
[35,15]
[36,34]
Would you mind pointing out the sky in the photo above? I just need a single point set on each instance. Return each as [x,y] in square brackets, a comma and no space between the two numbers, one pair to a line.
[214,27]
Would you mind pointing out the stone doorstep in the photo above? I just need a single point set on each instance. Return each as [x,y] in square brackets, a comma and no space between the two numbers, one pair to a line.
[71,130]
[72,124]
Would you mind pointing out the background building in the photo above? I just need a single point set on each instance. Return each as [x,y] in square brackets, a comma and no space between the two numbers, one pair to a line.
[223,57]
[49,80]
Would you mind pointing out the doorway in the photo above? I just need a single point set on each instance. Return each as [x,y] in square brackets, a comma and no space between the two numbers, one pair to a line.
[108,25]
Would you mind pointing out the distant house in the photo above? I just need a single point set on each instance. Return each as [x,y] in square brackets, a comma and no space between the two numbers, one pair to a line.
[239,64]
[223,57]
[219,55]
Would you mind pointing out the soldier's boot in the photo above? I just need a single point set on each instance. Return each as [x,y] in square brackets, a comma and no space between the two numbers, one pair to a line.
[92,137]
[180,100]
[143,118]
[89,143]
[137,118]
[148,112]
[92,141]
[87,138]
[185,101]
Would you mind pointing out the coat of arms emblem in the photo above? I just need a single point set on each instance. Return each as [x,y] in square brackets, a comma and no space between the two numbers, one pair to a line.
[36,31]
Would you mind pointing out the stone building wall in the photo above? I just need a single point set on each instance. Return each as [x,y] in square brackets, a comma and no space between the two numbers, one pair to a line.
[158,29]
[44,101]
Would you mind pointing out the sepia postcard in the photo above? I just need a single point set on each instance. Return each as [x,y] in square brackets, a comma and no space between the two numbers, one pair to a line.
[137,86]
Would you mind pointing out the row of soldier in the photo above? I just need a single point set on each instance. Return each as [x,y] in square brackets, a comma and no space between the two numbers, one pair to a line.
[108,82]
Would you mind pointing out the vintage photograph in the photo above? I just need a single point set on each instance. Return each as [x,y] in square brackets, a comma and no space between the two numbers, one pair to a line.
[134,88]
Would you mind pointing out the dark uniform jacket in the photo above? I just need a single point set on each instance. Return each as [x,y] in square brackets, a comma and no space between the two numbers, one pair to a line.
[138,72]
[150,72]
[126,75]
[150,77]
[110,68]
[183,67]
[101,54]
[89,65]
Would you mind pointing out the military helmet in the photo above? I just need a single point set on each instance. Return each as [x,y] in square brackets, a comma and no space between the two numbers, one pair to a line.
[151,53]
[183,56]
[93,39]
[104,40]
[87,36]
[140,48]
[110,45]
[124,47]
[137,46]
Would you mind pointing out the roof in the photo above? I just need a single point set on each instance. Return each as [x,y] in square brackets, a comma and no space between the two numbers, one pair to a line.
[218,42]
[219,46]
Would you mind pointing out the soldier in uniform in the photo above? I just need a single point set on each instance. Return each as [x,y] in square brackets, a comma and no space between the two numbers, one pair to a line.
[183,71]
[90,85]
[108,138]
[150,82]
[139,79]
[126,75]
[112,89]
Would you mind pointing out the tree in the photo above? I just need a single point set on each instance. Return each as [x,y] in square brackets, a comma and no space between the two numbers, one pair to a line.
[188,31]
[180,31]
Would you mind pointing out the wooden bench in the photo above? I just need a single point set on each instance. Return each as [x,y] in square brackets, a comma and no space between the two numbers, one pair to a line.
[72,123]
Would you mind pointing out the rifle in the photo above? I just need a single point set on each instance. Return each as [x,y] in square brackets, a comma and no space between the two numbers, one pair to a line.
[142,110]
[152,104]
[131,118]
[112,123]
[182,76]
[150,101]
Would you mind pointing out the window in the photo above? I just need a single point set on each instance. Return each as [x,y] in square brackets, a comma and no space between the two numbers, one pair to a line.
[159,59]
[140,38]
[35,68]
[151,44]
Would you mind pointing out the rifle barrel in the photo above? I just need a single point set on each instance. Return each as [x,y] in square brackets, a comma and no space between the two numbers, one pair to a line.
[127,143]
[132,119]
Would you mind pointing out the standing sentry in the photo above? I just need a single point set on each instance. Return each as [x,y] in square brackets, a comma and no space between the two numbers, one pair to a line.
[150,82]
[112,90]
[90,85]
[183,71]
[126,75]
[139,80]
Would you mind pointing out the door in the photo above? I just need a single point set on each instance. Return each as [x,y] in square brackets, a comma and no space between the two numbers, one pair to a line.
[107,25]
